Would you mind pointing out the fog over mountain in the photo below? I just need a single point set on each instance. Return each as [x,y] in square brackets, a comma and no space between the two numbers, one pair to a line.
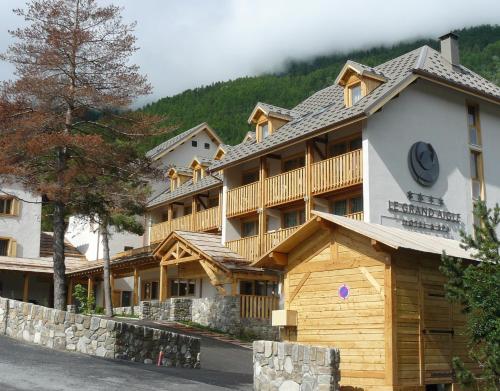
[189,43]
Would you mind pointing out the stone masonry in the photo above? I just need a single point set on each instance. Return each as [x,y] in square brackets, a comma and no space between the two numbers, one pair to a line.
[219,312]
[96,336]
[284,366]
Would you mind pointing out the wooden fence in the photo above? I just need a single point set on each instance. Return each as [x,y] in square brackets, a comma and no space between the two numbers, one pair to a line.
[258,307]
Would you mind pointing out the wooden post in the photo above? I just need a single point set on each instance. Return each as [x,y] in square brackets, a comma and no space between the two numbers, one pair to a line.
[308,161]
[70,291]
[163,282]
[90,288]
[136,287]
[193,213]
[26,287]
[262,205]
[170,212]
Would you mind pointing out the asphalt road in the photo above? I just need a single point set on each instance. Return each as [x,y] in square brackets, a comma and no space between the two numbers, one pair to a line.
[30,367]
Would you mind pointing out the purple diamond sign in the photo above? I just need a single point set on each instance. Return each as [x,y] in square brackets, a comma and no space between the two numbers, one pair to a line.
[344,292]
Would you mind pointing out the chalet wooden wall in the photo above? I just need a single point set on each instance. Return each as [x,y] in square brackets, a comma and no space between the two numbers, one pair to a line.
[357,325]
[396,330]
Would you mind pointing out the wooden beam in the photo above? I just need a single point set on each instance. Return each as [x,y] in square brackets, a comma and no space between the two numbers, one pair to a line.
[180,260]
[274,156]
[309,159]
[112,287]
[198,198]
[297,288]
[280,259]
[391,371]
[90,288]
[70,291]
[262,203]
[135,300]
[26,287]
[194,206]
[163,282]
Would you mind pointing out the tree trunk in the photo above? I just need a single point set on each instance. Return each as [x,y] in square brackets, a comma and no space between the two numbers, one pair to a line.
[108,304]
[58,259]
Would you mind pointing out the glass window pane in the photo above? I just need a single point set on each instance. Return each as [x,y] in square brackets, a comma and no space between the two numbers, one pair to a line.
[473,136]
[355,93]
[340,208]
[260,288]
[246,287]
[474,165]
[191,287]
[355,144]
[264,129]
[290,219]
[302,216]
[476,189]
[249,228]
[5,205]
[338,149]
[4,247]
[154,290]
[356,204]
[471,115]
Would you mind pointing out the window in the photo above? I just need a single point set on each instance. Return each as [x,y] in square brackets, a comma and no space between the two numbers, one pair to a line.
[213,202]
[4,247]
[249,177]
[258,288]
[150,290]
[248,228]
[339,148]
[126,298]
[348,206]
[475,151]
[293,163]
[188,210]
[207,146]
[246,287]
[194,143]
[294,218]
[9,206]
[183,288]
[475,175]
[355,93]
[472,123]
[264,130]
[8,247]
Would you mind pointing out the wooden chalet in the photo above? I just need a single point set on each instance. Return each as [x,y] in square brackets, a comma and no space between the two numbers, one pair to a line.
[375,293]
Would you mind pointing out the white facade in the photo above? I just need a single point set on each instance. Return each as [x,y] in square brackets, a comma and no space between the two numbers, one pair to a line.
[25,225]
[436,115]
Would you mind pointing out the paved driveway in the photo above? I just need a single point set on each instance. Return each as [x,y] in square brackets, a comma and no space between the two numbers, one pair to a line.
[34,368]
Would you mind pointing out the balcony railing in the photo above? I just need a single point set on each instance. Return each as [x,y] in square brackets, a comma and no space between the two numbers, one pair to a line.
[356,216]
[286,187]
[247,247]
[272,239]
[243,199]
[258,307]
[337,172]
[208,219]
[204,220]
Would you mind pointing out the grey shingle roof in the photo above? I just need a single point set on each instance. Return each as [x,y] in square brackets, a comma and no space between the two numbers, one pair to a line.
[174,140]
[186,189]
[272,109]
[182,170]
[326,108]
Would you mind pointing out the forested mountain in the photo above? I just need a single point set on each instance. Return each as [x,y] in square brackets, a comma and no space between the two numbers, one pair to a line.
[227,105]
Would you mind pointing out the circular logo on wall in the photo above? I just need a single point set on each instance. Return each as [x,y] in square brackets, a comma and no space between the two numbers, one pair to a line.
[344,292]
[423,163]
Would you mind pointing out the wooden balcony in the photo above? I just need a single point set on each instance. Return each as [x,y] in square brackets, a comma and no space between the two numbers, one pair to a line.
[337,172]
[247,247]
[258,307]
[273,238]
[208,219]
[327,175]
[287,187]
[356,216]
[243,199]
[205,220]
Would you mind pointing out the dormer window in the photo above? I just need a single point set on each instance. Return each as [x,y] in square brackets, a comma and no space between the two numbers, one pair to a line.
[263,130]
[355,93]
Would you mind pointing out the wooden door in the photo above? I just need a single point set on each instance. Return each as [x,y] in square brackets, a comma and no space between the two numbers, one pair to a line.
[437,335]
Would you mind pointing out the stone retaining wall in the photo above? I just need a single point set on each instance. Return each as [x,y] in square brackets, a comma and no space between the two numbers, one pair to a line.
[126,310]
[95,336]
[219,312]
[283,366]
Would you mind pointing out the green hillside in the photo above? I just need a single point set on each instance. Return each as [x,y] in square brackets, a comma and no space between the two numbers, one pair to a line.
[227,105]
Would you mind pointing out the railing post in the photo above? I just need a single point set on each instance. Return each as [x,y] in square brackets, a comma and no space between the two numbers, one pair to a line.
[193,213]
[308,178]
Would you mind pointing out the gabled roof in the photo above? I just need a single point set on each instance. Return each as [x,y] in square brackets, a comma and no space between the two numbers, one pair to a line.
[202,161]
[392,237]
[47,250]
[326,109]
[272,111]
[186,189]
[175,141]
[360,69]
[210,247]
[180,170]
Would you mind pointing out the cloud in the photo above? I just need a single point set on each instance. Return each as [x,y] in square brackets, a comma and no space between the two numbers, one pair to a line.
[188,43]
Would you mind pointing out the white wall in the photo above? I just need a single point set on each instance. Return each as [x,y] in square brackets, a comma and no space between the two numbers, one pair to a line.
[88,240]
[25,228]
[426,112]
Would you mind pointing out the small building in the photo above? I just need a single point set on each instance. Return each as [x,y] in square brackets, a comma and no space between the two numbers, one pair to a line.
[376,293]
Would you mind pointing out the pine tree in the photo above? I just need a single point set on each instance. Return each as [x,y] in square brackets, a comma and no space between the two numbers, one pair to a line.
[476,287]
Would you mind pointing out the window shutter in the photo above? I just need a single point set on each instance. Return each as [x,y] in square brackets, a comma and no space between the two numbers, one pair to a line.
[12,250]
[16,207]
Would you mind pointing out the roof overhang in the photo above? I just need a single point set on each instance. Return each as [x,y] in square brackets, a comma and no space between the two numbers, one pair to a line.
[261,109]
[351,67]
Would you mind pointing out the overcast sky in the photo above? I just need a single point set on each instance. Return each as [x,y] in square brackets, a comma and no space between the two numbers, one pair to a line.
[188,43]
